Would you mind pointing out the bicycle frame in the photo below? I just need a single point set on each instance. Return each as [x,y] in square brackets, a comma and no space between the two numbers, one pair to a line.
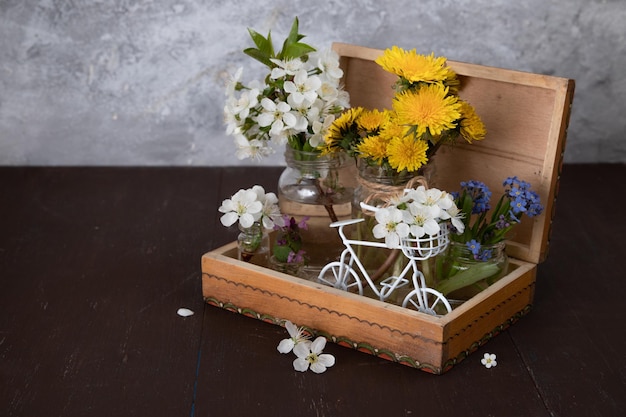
[349,258]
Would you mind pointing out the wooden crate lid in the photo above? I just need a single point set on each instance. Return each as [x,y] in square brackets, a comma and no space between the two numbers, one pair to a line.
[526,116]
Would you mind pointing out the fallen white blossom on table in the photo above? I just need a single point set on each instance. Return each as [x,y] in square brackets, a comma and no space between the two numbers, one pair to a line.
[308,354]
[297,337]
[184,312]
[489,360]
[311,356]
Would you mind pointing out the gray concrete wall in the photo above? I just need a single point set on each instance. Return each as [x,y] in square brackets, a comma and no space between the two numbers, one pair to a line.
[140,82]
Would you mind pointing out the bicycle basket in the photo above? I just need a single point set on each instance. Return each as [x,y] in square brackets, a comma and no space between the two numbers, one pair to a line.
[427,246]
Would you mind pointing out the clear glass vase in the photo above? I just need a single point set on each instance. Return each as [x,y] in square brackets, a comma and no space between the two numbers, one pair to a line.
[253,244]
[461,274]
[377,186]
[321,189]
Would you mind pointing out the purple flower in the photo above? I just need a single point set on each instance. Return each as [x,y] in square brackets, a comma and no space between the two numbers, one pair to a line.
[502,223]
[303,225]
[295,257]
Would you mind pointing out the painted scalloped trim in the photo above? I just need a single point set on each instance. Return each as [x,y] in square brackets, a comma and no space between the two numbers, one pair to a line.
[372,350]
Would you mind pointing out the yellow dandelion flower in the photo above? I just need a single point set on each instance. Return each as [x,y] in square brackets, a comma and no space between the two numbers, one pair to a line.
[472,127]
[371,120]
[430,109]
[414,67]
[407,153]
[340,129]
[392,128]
[374,148]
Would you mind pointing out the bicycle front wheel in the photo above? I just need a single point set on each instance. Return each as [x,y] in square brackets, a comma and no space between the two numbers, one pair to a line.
[428,301]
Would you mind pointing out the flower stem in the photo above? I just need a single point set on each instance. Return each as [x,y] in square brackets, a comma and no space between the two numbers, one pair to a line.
[470,276]
[326,201]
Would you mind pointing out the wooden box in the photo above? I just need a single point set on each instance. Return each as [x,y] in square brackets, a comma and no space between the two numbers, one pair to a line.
[526,116]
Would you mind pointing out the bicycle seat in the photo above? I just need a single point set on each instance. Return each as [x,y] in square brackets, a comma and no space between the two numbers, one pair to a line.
[346,222]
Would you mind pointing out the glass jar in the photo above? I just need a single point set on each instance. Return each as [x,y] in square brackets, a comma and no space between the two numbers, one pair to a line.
[462,273]
[290,268]
[376,187]
[253,244]
[321,189]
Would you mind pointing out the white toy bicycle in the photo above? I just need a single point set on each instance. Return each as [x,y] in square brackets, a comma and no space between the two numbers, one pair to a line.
[346,273]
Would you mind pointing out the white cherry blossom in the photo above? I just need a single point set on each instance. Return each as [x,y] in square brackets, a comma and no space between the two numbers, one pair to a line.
[328,62]
[456,218]
[489,360]
[421,219]
[285,67]
[270,213]
[311,356]
[320,129]
[243,206]
[277,115]
[303,87]
[390,226]
[232,81]
[253,149]
[296,336]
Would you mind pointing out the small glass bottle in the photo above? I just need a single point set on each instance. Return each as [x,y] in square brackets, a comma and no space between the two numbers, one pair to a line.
[253,244]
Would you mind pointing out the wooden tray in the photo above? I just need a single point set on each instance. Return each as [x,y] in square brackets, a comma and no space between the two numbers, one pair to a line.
[526,116]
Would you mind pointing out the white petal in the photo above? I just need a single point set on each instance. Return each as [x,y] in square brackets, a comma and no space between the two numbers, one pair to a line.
[326,359]
[300,364]
[227,205]
[268,104]
[318,345]
[431,227]
[392,240]
[458,224]
[229,219]
[403,229]
[318,368]
[292,329]
[290,120]
[379,231]
[246,220]
[302,350]
[265,119]
[184,312]
[285,346]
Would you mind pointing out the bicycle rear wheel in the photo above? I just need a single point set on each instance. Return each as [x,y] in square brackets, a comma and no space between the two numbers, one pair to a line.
[341,276]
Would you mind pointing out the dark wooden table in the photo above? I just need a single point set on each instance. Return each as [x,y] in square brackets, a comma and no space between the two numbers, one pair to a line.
[95,262]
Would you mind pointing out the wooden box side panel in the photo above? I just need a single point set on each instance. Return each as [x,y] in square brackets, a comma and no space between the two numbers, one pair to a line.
[526,116]
[383,329]
[491,311]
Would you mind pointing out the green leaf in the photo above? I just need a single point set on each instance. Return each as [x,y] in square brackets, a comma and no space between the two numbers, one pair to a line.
[262,43]
[292,47]
[293,36]
[296,50]
[258,55]
[473,274]
[264,50]
[282,253]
